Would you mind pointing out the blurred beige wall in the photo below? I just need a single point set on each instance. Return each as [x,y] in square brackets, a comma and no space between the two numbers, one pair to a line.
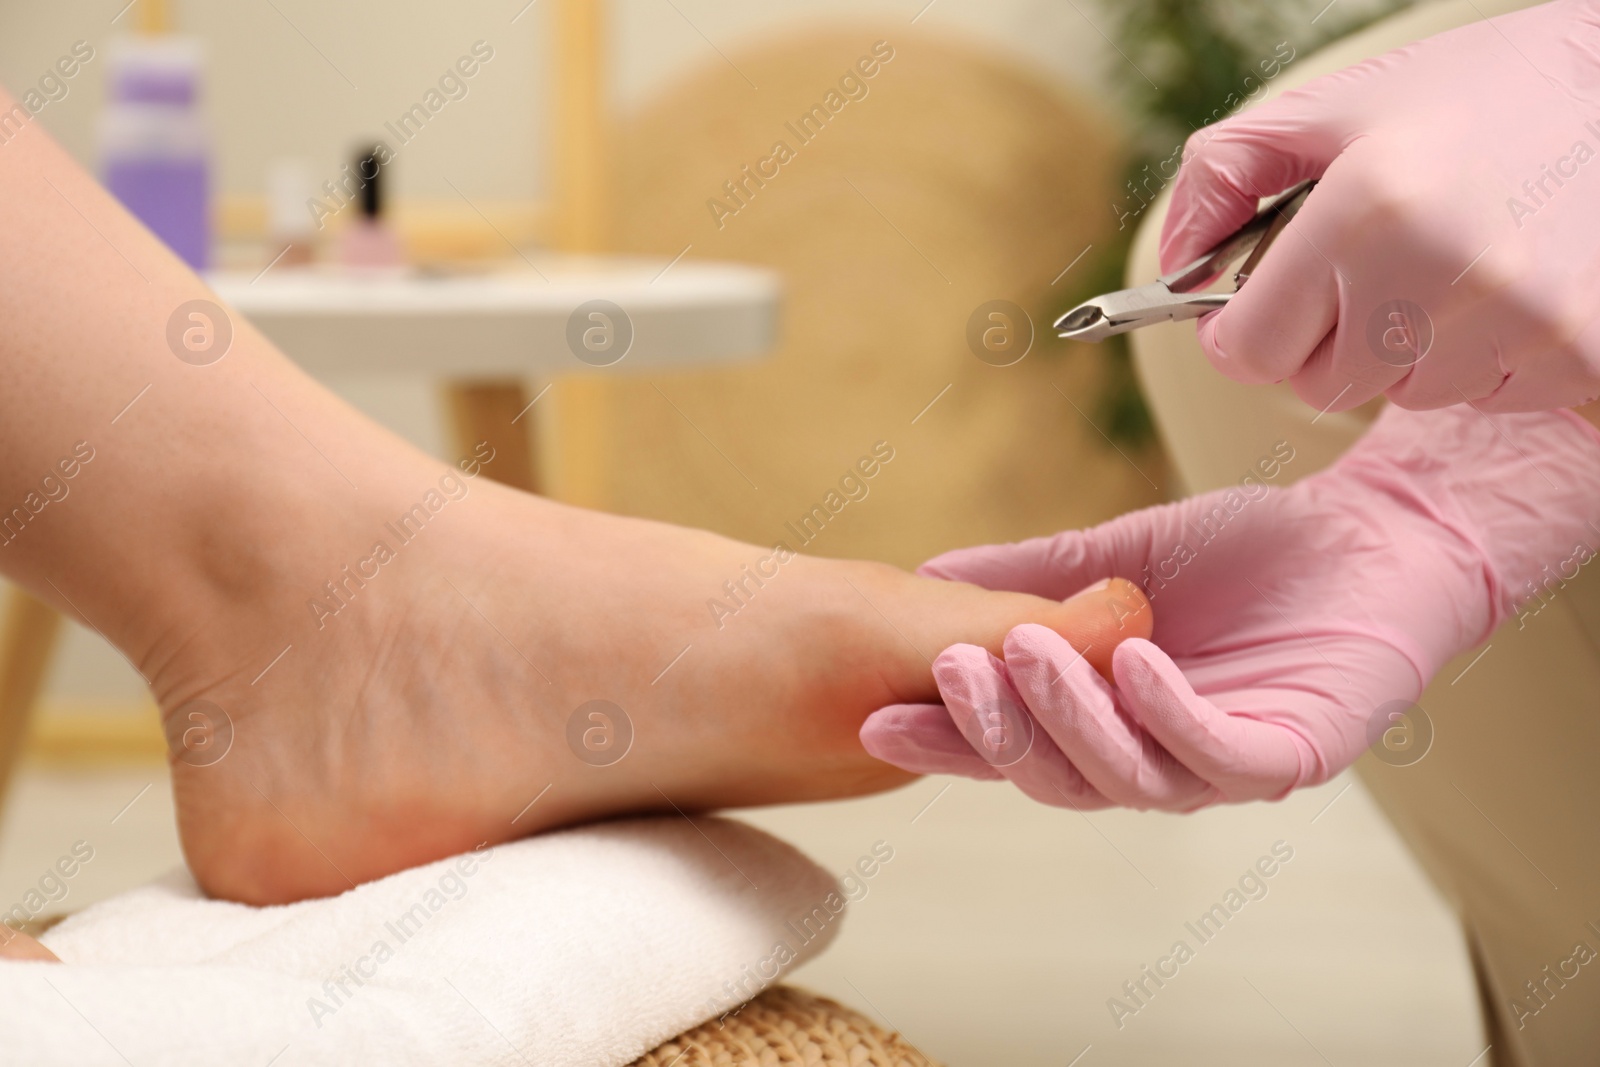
[308,79]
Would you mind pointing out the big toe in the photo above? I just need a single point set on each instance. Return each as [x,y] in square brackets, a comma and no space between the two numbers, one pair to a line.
[1095,621]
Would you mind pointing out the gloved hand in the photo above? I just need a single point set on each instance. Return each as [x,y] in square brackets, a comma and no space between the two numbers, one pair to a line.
[1287,620]
[1448,252]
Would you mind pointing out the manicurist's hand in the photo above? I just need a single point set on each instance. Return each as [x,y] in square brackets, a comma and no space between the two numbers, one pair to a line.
[1451,250]
[1290,623]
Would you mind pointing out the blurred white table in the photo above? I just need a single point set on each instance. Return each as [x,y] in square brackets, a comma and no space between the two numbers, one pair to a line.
[507,323]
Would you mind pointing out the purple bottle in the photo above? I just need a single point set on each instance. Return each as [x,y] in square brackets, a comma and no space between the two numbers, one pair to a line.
[154,148]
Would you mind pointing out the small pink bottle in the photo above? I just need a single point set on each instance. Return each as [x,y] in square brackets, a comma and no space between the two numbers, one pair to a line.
[368,241]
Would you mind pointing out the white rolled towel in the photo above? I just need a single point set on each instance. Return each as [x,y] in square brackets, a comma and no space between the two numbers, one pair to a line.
[590,946]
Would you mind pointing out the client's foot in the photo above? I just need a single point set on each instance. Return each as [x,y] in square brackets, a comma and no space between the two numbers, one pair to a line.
[436,693]
[363,666]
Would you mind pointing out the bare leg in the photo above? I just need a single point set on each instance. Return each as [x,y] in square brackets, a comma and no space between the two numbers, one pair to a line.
[197,515]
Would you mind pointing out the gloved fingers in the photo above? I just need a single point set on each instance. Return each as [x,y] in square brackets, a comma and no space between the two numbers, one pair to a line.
[985,707]
[1288,308]
[1471,372]
[922,739]
[1401,329]
[1244,758]
[1397,346]
[1493,350]
[1054,567]
[1229,166]
[1065,564]
[1327,384]
[1542,345]
[1078,710]
[1554,383]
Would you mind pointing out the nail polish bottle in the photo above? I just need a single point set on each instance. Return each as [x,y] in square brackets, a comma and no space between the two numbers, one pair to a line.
[368,241]
[155,150]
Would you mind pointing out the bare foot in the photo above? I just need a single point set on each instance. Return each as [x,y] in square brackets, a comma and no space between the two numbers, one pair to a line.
[366,662]
[445,702]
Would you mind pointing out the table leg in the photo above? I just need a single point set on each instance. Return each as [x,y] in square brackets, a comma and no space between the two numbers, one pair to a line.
[582,183]
[31,631]
[583,441]
[497,412]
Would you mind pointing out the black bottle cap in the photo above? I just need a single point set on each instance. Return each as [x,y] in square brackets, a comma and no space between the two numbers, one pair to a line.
[369,170]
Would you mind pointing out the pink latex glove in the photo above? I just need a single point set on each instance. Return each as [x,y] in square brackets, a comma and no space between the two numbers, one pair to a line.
[1286,620]
[1449,252]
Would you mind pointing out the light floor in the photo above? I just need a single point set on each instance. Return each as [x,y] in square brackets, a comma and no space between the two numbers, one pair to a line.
[1000,929]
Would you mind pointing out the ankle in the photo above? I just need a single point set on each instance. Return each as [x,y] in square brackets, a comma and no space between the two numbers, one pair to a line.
[269,562]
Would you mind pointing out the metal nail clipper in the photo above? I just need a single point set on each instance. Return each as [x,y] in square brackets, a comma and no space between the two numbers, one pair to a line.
[1177,296]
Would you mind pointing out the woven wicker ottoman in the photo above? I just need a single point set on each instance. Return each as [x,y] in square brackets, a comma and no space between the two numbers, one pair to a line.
[785,1026]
